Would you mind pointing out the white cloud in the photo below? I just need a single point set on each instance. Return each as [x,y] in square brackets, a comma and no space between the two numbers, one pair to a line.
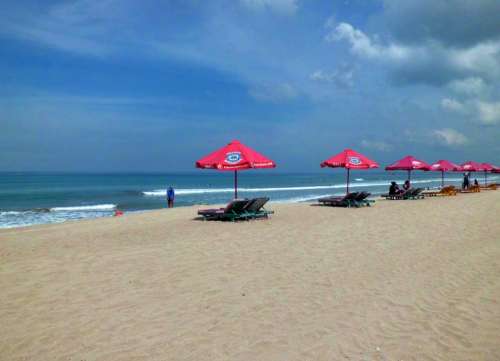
[430,61]
[450,137]
[274,92]
[343,78]
[285,7]
[468,86]
[376,145]
[489,113]
[453,105]
[363,45]
[483,58]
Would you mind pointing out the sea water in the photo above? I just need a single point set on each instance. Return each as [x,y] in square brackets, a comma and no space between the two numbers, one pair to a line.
[38,198]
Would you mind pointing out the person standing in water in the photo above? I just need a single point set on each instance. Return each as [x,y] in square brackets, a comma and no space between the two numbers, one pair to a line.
[170,197]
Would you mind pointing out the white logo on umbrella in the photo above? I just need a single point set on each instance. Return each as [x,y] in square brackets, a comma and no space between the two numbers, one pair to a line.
[415,163]
[354,160]
[233,157]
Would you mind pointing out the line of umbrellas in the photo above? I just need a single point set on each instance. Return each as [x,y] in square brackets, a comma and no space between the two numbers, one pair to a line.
[236,156]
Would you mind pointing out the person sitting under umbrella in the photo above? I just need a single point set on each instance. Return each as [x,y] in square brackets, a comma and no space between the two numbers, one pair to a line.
[394,189]
[406,185]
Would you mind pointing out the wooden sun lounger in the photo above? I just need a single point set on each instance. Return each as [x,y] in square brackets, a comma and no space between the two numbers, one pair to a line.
[472,189]
[445,191]
[490,187]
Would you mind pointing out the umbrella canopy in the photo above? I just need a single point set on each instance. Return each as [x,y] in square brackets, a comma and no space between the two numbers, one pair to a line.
[487,167]
[235,156]
[471,166]
[495,169]
[444,166]
[349,159]
[408,163]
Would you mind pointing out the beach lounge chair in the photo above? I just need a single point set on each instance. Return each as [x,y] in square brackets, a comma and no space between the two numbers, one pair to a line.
[346,201]
[255,209]
[490,187]
[445,191]
[472,189]
[362,199]
[412,193]
[395,196]
[233,211]
[415,193]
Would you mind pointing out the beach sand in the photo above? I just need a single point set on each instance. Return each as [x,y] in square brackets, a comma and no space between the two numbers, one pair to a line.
[403,280]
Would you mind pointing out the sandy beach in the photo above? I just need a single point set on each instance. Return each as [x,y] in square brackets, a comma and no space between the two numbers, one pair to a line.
[403,280]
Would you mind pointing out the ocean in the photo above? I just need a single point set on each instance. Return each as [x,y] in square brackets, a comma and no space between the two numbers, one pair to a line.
[39,198]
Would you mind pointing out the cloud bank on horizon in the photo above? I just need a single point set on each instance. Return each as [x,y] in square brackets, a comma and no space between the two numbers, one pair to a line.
[151,86]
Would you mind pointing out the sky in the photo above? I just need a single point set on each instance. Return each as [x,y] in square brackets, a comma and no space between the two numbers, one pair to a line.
[129,86]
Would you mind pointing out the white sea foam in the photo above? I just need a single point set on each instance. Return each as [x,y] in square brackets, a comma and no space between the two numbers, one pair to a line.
[12,219]
[306,198]
[97,207]
[191,191]
[359,183]
[9,213]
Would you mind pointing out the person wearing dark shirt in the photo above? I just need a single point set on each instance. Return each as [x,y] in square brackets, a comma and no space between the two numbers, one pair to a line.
[476,183]
[466,181]
[170,197]
[407,185]
[394,189]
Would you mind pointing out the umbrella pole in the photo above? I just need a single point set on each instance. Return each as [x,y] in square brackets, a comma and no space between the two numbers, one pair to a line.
[347,187]
[485,178]
[409,174]
[442,178]
[235,184]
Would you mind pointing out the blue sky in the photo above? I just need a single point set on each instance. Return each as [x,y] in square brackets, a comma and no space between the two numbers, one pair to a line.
[154,85]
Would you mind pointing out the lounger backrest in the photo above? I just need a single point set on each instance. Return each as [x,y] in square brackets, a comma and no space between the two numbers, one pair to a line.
[256,204]
[351,196]
[362,196]
[417,191]
[236,206]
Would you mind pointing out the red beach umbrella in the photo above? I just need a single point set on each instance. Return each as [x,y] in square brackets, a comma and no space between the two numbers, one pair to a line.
[444,166]
[495,169]
[471,166]
[487,167]
[234,157]
[408,163]
[349,159]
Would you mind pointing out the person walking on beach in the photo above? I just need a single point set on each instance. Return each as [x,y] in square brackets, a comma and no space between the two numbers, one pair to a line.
[466,183]
[170,197]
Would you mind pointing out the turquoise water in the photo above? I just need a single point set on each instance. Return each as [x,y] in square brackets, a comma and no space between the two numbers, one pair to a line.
[37,198]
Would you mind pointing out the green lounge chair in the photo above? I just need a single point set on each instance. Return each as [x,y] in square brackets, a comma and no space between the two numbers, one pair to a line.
[233,211]
[255,208]
[346,201]
[412,193]
[362,199]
